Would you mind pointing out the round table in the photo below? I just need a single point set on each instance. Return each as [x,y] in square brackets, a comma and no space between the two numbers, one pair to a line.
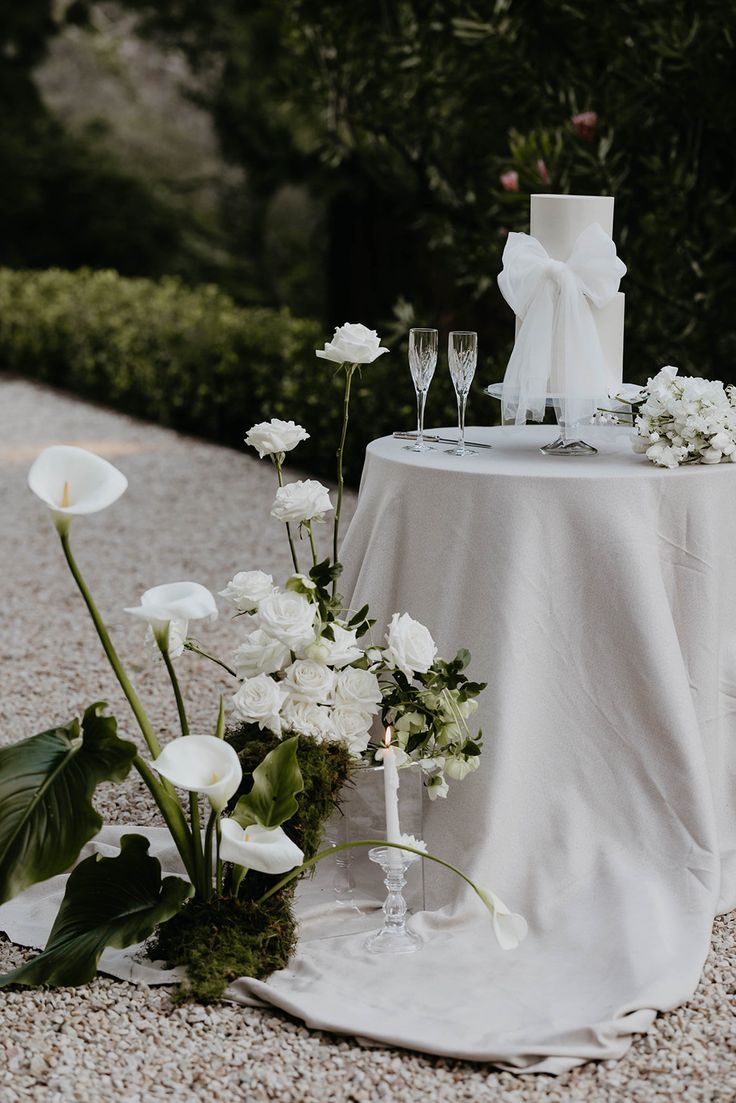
[598,599]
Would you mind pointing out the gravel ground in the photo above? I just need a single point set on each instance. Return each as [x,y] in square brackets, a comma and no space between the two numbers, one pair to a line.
[194,510]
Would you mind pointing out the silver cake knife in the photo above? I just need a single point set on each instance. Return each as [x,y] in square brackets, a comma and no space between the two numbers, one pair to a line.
[432,439]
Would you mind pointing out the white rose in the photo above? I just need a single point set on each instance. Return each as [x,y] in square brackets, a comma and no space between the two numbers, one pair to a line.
[247,589]
[274,436]
[260,654]
[344,649]
[305,500]
[259,701]
[308,718]
[410,646]
[353,343]
[352,726]
[288,617]
[358,689]
[310,681]
[711,455]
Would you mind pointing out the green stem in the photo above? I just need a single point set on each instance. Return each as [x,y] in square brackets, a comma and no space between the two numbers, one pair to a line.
[171,811]
[203,881]
[164,649]
[308,527]
[368,842]
[190,645]
[239,873]
[294,559]
[349,369]
[218,840]
[213,819]
[133,700]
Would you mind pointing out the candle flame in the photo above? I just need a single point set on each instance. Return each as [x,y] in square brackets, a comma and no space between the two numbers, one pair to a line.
[65,496]
[388,736]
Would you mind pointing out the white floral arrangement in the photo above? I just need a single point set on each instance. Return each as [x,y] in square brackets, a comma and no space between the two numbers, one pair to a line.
[684,419]
[309,666]
[309,675]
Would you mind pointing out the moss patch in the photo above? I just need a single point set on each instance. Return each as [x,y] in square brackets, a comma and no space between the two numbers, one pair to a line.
[225,939]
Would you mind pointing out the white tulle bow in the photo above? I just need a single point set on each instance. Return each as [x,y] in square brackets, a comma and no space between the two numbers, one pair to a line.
[558,335]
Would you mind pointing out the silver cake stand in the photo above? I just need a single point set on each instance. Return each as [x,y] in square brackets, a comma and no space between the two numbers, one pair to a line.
[566,444]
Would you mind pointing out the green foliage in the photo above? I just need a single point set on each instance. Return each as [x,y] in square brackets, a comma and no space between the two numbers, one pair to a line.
[46,788]
[192,359]
[108,902]
[325,768]
[429,714]
[223,939]
[405,115]
[276,782]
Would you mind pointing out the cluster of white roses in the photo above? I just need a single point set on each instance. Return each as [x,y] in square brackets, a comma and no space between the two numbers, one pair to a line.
[686,420]
[303,667]
[300,675]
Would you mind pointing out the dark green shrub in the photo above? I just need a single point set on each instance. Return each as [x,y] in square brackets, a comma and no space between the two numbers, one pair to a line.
[190,358]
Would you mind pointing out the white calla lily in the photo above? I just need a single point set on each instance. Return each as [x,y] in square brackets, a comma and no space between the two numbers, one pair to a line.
[509,928]
[201,764]
[266,849]
[72,482]
[175,601]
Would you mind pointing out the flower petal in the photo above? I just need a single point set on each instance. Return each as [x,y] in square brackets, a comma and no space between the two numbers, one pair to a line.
[266,849]
[86,482]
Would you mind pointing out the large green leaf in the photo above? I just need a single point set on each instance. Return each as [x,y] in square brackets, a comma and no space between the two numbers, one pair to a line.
[46,786]
[276,781]
[108,902]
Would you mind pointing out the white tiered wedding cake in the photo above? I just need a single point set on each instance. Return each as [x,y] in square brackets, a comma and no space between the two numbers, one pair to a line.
[562,282]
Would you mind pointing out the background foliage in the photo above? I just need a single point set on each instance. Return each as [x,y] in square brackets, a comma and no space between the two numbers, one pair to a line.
[370,140]
[191,358]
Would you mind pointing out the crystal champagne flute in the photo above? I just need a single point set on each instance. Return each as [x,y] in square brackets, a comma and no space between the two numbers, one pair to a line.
[462,356]
[423,344]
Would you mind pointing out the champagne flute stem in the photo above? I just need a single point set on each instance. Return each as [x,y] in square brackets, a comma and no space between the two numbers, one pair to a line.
[462,400]
[421,399]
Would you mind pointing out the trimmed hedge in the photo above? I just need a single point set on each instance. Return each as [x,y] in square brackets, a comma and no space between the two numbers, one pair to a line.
[192,359]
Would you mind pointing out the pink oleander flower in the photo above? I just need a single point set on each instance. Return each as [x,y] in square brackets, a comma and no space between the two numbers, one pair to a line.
[542,171]
[584,125]
[510,180]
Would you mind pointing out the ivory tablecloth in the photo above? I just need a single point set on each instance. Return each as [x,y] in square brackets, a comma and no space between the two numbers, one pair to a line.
[598,598]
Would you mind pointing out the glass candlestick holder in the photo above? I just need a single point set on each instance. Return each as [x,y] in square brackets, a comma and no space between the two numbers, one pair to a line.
[394,937]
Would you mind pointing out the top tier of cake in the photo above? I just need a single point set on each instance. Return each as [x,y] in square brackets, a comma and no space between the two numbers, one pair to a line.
[558,220]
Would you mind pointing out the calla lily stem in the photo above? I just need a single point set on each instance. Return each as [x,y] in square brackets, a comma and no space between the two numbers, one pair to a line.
[218,840]
[133,700]
[171,811]
[166,800]
[369,842]
[203,877]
